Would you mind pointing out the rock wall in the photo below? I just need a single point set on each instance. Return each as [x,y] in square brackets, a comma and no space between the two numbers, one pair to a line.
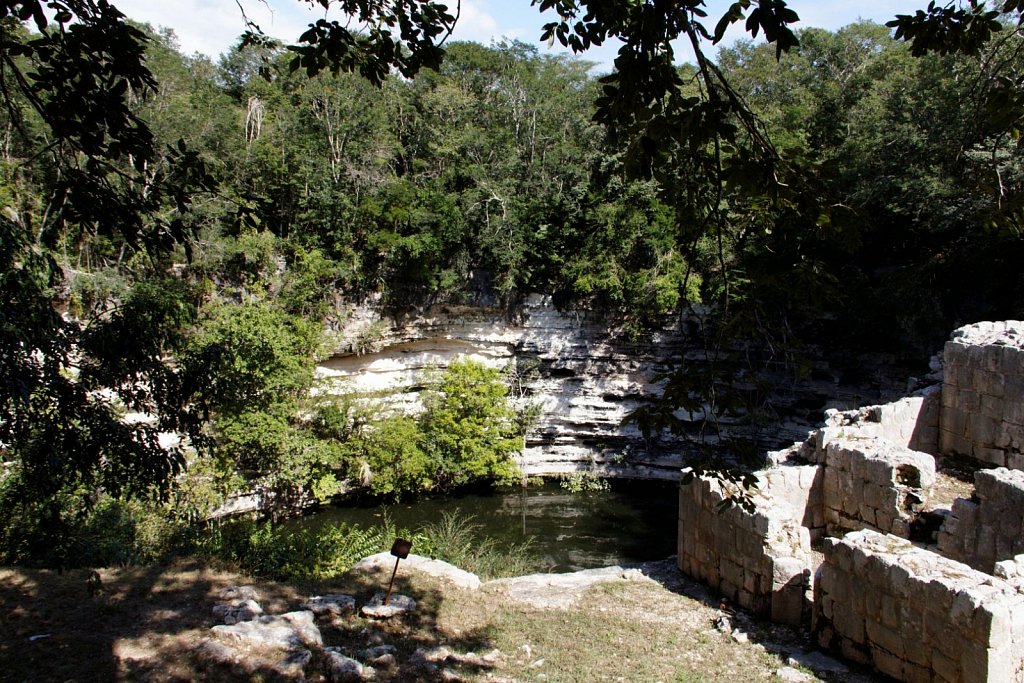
[990,529]
[983,394]
[915,615]
[587,378]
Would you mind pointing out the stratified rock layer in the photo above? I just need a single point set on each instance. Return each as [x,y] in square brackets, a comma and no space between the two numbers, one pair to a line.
[587,379]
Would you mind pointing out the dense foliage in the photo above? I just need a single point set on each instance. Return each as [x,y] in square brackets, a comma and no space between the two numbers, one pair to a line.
[176,235]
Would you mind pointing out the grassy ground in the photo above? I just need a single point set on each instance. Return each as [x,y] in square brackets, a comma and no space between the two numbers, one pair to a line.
[147,623]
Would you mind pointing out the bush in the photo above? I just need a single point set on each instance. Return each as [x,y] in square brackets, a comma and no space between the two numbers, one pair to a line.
[64,531]
[584,482]
[126,532]
[283,553]
[470,428]
[391,452]
[468,432]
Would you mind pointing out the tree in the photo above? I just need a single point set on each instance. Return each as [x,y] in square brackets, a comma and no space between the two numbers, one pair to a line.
[99,174]
[252,367]
[469,427]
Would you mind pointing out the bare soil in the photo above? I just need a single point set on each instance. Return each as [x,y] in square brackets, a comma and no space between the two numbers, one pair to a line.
[954,478]
[150,623]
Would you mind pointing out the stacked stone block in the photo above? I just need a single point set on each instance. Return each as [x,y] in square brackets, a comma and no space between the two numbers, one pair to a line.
[760,560]
[990,528]
[982,414]
[914,615]
[912,422]
[871,483]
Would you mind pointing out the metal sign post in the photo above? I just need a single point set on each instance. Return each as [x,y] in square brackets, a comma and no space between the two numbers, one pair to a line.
[400,550]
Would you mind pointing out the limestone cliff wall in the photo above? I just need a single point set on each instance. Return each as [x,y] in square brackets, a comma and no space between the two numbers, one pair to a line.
[587,378]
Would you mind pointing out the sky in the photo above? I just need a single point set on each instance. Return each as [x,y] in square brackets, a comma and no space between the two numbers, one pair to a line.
[212,26]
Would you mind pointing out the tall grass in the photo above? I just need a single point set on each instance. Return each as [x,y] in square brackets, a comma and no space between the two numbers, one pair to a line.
[282,553]
[459,540]
[117,533]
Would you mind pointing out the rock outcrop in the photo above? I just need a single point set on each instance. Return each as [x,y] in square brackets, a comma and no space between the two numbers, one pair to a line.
[587,378]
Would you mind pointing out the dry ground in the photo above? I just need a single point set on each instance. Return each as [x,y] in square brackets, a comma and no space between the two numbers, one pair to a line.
[954,478]
[146,624]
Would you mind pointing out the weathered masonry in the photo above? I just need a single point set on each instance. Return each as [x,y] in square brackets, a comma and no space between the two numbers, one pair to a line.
[921,591]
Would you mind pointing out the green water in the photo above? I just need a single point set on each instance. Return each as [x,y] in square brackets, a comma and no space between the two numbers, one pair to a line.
[635,521]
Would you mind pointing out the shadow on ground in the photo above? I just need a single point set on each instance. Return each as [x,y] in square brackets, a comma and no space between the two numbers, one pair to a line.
[150,624]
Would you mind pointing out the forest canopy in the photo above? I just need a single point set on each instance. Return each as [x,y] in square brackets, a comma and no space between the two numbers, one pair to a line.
[178,235]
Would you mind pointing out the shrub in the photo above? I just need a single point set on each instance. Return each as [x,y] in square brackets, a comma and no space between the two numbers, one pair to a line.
[126,532]
[470,428]
[282,552]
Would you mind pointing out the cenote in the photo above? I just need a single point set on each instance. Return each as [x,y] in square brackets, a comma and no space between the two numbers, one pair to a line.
[634,521]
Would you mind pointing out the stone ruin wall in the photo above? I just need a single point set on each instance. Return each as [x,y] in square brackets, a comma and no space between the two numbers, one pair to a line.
[842,478]
[759,560]
[872,483]
[915,615]
[982,392]
[935,611]
[985,531]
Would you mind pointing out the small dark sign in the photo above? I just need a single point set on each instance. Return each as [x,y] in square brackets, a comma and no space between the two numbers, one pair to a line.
[401,548]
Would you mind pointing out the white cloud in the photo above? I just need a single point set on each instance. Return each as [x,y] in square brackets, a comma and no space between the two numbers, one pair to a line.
[213,26]
[478,23]
[207,27]
[475,24]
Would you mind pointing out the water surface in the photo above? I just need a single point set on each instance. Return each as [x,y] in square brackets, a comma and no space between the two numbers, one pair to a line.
[635,521]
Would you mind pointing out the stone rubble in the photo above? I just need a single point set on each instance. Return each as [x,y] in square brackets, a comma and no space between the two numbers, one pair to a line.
[242,646]
[378,651]
[294,664]
[246,610]
[397,606]
[290,630]
[218,653]
[342,668]
[332,606]
[237,594]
